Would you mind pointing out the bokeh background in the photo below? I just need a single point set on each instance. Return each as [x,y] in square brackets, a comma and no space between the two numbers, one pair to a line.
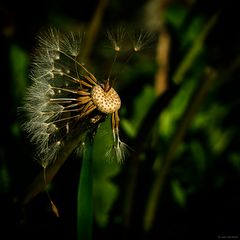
[180,115]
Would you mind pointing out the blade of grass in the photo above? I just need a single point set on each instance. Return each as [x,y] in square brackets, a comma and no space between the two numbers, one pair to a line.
[38,184]
[84,197]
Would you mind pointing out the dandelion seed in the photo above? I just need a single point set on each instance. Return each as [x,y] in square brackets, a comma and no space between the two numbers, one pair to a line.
[116,37]
[119,150]
[140,39]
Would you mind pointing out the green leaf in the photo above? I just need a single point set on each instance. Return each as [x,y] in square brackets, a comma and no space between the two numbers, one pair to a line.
[199,156]
[178,192]
[142,104]
[170,116]
[105,195]
[128,127]
[175,15]
[19,68]
[192,32]
[234,159]
[105,191]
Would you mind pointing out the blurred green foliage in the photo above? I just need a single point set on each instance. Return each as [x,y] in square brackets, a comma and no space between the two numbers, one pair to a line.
[200,194]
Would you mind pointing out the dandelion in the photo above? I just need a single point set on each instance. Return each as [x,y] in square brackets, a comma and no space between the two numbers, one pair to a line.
[66,102]
[65,95]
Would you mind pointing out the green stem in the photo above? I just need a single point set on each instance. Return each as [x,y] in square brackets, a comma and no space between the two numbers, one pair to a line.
[84,197]
[40,182]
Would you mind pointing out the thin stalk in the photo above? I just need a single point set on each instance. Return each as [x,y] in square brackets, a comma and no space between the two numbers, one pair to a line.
[162,58]
[39,183]
[94,28]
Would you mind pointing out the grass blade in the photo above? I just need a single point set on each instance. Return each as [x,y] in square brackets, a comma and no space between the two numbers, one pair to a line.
[84,197]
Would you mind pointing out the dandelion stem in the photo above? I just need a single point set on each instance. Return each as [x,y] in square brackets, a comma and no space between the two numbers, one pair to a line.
[39,183]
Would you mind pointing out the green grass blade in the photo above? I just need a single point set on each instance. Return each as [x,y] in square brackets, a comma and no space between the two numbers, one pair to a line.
[84,198]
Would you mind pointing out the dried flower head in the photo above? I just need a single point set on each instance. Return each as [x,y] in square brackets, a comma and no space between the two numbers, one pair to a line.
[65,95]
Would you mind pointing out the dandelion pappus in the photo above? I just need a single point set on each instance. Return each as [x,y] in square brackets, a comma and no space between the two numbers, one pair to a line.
[65,95]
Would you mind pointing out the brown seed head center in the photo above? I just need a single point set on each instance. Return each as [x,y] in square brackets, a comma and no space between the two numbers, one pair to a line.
[106,102]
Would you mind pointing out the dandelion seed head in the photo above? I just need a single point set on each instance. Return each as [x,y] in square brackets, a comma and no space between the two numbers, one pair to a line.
[65,96]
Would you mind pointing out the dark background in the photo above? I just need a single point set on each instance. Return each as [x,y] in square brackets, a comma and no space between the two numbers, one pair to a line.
[201,194]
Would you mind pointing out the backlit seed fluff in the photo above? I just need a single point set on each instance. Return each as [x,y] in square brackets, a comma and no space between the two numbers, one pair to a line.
[64,95]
